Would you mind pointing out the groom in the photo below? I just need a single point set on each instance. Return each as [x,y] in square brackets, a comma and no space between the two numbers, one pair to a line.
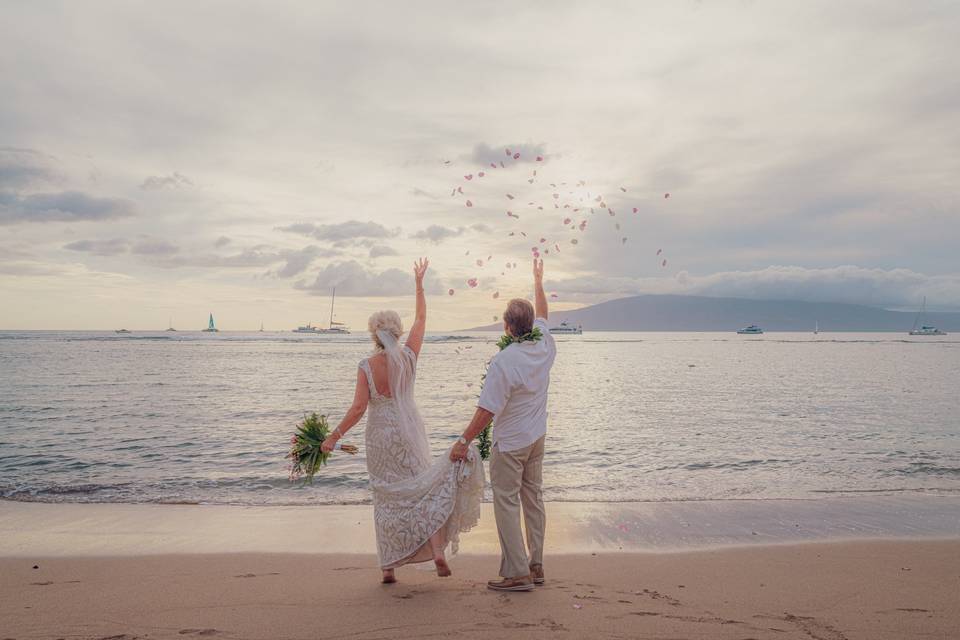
[515,396]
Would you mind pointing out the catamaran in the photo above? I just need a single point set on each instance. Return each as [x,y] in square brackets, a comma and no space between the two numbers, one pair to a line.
[335,327]
[211,328]
[566,329]
[925,329]
[752,330]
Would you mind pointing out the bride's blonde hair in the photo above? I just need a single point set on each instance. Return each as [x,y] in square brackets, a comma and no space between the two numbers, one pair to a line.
[384,321]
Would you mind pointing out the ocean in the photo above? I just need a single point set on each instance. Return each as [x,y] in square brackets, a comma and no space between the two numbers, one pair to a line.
[191,417]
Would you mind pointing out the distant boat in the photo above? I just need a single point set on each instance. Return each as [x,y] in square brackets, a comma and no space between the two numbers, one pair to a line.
[566,329]
[752,330]
[170,325]
[261,327]
[121,331]
[307,328]
[211,328]
[925,329]
[335,327]
[816,328]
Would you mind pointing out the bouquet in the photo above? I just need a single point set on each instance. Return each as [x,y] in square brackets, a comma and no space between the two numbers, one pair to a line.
[305,454]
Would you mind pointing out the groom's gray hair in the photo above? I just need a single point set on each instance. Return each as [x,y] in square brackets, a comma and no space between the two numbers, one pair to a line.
[519,316]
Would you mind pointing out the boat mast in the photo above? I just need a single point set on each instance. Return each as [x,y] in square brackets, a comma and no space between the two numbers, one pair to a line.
[923,308]
[332,300]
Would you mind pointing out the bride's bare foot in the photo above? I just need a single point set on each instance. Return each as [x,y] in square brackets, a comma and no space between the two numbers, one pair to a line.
[443,569]
[388,576]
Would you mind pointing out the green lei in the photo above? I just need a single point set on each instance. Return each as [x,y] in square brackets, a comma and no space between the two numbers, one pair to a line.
[506,339]
[484,439]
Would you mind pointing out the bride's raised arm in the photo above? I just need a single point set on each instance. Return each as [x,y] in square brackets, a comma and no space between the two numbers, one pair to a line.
[415,337]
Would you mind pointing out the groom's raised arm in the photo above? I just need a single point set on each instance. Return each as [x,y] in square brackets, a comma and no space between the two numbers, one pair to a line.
[540,297]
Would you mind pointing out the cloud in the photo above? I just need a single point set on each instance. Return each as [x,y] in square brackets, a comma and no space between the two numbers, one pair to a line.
[380,250]
[420,193]
[436,233]
[889,288]
[352,279]
[484,154]
[21,168]
[341,232]
[154,247]
[298,261]
[111,247]
[173,181]
[65,206]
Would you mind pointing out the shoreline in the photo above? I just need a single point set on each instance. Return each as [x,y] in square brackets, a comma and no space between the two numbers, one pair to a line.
[33,529]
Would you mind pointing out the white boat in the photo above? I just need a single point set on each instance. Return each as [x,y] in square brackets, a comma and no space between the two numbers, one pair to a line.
[816,328]
[211,328]
[335,327]
[566,329]
[121,331]
[752,330]
[925,329]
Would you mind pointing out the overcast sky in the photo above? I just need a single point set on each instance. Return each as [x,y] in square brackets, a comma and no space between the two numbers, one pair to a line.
[169,159]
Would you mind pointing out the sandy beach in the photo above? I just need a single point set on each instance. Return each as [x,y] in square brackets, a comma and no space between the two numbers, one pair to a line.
[829,570]
[827,591]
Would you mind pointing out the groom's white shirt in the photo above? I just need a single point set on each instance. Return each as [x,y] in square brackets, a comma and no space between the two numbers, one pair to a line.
[515,391]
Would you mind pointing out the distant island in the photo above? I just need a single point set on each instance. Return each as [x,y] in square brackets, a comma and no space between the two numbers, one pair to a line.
[700,313]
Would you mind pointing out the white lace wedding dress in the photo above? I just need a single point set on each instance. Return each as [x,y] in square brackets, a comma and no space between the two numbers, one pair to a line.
[415,497]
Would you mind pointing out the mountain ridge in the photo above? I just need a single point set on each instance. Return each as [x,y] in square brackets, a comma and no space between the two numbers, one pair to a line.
[670,312]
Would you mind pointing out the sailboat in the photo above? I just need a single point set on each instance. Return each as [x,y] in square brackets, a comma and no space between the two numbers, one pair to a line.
[170,325]
[925,329]
[335,327]
[816,327]
[211,328]
[261,327]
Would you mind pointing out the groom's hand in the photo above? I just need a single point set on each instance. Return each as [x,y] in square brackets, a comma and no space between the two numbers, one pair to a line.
[459,451]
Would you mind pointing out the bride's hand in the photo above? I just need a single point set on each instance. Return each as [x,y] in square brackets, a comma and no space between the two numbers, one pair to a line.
[329,443]
[419,269]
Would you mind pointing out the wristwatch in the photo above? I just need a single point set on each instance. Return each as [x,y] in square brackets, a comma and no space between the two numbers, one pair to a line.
[462,440]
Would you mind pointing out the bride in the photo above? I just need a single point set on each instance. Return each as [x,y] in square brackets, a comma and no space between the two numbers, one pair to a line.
[420,503]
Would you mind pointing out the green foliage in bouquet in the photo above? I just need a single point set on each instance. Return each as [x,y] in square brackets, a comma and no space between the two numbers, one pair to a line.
[484,440]
[305,455]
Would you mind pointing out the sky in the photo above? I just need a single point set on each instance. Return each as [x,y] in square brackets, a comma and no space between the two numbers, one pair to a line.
[160,161]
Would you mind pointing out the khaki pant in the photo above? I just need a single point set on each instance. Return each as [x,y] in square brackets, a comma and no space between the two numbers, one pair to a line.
[517,479]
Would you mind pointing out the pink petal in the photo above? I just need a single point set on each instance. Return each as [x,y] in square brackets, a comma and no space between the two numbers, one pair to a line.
[493,165]
[481,174]
[450,292]
[553,295]
[664,263]
[666,195]
[566,221]
[472,282]
[479,262]
[495,296]
[469,176]
[635,209]
[539,158]
[460,190]
[658,251]
[516,156]
[469,204]
[542,240]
